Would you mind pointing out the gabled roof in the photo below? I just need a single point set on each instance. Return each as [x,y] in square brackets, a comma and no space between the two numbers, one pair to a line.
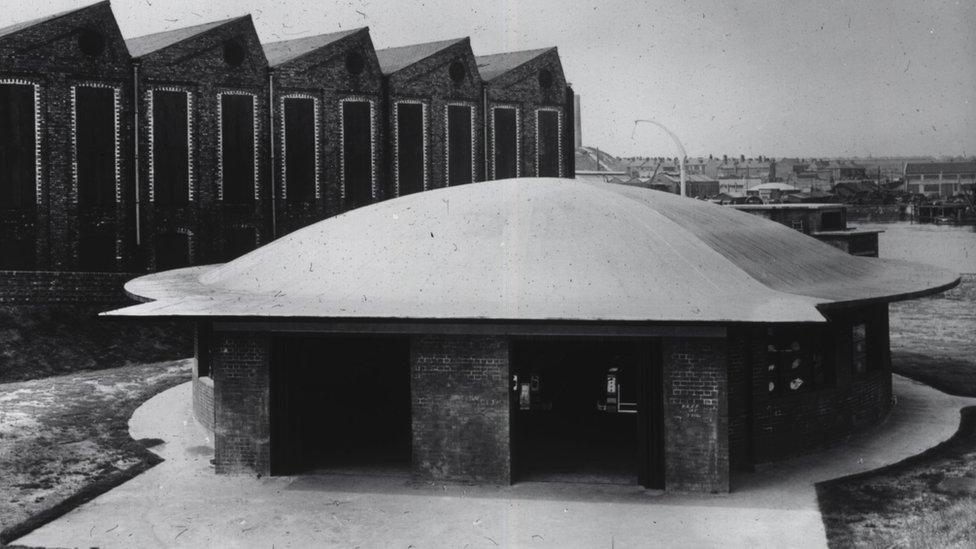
[935,168]
[143,45]
[5,31]
[541,249]
[497,64]
[394,59]
[279,53]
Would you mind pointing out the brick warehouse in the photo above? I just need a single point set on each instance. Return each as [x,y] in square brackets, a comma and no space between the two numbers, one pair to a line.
[106,200]
[435,115]
[538,329]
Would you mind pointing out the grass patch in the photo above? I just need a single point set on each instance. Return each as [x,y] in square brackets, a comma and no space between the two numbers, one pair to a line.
[45,340]
[928,500]
[65,439]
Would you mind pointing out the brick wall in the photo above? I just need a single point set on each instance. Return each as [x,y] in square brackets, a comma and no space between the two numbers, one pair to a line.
[696,421]
[789,425]
[196,66]
[460,407]
[520,87]
[203,387]
[323,75]
[429,81]
[44,287]
[48,55]
[242,397]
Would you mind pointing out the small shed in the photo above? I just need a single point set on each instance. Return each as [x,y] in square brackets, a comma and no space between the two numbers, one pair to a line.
[328,92]
[530,122]
[204,182]
[65,96]
[539,329]
[435,115]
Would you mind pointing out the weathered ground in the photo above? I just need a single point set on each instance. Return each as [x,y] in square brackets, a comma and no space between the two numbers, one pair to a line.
[928,500]
[45,340]
[65,439]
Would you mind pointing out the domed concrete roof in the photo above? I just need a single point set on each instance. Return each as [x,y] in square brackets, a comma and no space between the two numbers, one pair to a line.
[538,249]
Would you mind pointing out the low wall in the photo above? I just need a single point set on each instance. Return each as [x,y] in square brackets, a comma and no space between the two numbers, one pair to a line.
[876,212]
[45,287]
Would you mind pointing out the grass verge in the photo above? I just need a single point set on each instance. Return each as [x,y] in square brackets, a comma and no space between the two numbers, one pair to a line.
[928,500]
[65,439]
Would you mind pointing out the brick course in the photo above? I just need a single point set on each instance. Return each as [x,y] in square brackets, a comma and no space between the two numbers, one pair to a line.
[460,407]
[696,432]
[242,398]
[42,287]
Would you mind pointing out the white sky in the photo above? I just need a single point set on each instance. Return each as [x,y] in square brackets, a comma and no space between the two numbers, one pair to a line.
[792,78]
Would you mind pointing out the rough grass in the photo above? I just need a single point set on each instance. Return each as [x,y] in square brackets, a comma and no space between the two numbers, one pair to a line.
[44,340]
[65,439]
[928,500]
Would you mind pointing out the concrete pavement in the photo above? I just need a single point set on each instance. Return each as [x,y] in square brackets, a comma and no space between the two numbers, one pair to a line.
[182,503]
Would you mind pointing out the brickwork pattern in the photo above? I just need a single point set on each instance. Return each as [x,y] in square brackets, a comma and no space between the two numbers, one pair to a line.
[430,81]
[49,54]
[787,426]
[242,398]
[696,453]
[43,287]
[460,408]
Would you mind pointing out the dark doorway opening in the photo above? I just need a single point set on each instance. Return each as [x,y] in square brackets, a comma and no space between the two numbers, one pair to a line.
[299,144]
[548,145]
[171,148]
[18,154]
[340,403]
[505,145]
[357,153]
[95,142]
[460,160]
[587,411]
[237,148]
[410,148]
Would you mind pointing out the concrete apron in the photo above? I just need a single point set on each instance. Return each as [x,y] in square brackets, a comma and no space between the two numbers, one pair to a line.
[181,502]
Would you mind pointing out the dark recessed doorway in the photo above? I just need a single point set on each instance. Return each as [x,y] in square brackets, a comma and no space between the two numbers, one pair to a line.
[587,411]
[340,404]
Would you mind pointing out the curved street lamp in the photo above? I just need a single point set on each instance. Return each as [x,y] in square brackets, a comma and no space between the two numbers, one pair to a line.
[677,143]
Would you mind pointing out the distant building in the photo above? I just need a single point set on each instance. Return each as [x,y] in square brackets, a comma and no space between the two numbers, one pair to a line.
[825,222]
[939,179]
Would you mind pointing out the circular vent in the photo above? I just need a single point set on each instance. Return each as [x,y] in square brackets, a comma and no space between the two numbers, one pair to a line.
[545,79]
[91,42]
[355,62]
[233,53]
[457,72]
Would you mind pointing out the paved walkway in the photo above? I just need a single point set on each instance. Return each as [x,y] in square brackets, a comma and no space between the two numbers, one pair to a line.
[182,503]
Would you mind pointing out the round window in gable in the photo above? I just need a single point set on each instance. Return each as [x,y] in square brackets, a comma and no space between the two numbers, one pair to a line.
[234,53]
[545,79]
[91,42]
[355,62]
[457,72]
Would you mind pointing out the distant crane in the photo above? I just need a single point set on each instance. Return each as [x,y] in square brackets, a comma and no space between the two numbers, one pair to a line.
[677,142]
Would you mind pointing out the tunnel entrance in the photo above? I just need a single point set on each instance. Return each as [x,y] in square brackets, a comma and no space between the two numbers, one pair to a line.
[340,404]
[587,411]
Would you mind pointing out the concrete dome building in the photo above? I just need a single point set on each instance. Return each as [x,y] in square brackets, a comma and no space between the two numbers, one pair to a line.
[538,329]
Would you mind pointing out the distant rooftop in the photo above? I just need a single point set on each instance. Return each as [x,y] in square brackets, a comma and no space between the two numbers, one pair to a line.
[282,52]
[944,168]
[497,64]
[143,45]
[394,59]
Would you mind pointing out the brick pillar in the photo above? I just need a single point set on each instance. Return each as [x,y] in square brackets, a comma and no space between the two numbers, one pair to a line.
[460,407]
[696,422]
[242,430]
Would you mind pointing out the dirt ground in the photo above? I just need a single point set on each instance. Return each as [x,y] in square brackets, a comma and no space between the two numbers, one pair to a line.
[928,500]
[65,439]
